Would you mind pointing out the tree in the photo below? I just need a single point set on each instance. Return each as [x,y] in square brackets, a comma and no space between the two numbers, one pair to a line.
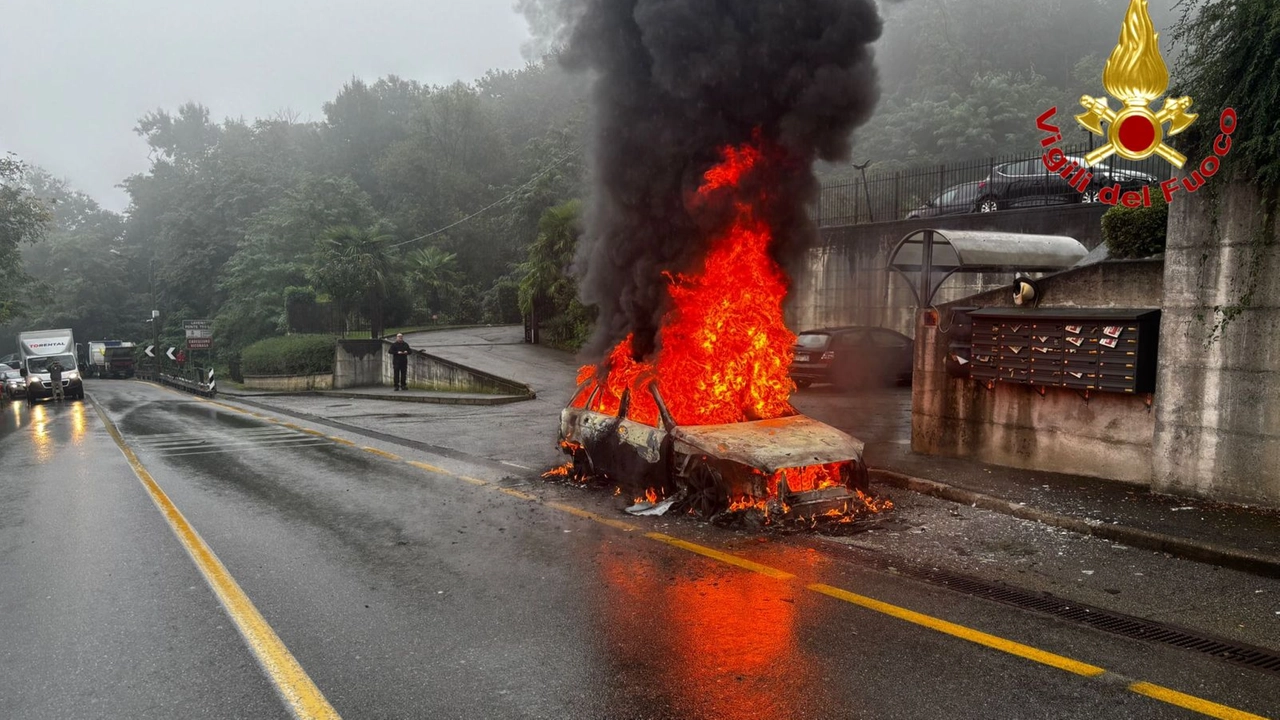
[1231,49]
[548,288]
[352,265]
[273,256]
[23,219]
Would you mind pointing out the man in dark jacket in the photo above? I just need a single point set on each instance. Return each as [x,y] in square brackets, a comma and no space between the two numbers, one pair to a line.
[400,361]
[55,379]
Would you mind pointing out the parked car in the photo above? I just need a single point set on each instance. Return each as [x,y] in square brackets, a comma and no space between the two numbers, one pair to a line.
[957,199]
[12,386]
[11,360]
[851,357]
[807,467]
[1029,183]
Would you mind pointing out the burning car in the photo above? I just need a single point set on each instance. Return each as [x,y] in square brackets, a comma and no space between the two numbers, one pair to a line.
[786,467]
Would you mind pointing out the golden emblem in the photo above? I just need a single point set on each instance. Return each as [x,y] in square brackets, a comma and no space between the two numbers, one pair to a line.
[1136,75]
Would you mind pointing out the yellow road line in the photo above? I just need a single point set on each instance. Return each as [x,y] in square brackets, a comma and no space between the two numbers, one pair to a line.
[519,494]
[429,468]
[383,453]
[304,699]
[1191,702]
[1156,692]
[721,556]
[626,527]
[342,441]
[962,632]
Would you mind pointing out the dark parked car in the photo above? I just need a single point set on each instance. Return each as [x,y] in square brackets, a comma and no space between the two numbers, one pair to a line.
[851,357]
[1029,183]
[12,384]
[957,199]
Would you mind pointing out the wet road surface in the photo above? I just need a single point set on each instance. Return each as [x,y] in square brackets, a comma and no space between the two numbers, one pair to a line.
[408,585]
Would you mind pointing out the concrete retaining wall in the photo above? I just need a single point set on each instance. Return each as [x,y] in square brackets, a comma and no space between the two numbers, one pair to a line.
[289,383]
[1110,435]
[1218,408]
[364,363]
[844,281]
[358,363]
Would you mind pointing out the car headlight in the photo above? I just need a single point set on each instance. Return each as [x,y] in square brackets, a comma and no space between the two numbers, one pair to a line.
[73,375]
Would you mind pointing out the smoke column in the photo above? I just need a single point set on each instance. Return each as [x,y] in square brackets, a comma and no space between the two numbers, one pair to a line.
[674,82]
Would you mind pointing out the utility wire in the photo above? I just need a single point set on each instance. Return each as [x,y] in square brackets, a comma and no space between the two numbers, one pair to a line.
[489,207]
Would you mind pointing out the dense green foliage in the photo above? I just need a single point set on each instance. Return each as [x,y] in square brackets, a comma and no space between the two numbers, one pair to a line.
[405,204]
[1136,232]
[1231,52]
[966,79]
[289,355]
[23,219]
[549,286]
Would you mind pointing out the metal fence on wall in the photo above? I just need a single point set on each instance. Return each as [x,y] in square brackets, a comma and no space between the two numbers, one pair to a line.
[892,195]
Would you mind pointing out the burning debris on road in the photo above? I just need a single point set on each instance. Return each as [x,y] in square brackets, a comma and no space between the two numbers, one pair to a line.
[707,119]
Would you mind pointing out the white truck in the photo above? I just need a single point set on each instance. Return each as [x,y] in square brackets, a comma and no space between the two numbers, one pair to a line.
[110,358]
[37,350]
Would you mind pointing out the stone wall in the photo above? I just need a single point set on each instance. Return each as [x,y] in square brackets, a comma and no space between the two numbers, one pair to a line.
[289,383]
[365,363]
[1217,431]
[845,280]
[1109,435]
[358,363]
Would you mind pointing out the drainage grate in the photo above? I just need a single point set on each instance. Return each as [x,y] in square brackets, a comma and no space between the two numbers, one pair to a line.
[1255,658]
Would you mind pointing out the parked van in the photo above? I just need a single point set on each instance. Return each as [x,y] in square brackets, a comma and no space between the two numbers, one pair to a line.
[37,350]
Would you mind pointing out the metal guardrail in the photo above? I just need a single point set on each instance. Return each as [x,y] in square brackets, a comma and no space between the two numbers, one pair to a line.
[197,381]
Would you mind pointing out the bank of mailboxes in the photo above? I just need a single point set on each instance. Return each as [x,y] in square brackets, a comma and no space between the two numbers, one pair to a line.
[1103,350]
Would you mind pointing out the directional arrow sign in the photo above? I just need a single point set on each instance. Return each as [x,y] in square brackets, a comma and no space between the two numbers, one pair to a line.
[169,352]
[149,352]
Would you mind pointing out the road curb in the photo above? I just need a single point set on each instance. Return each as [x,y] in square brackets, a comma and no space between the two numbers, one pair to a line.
[478,399]
[1234,558]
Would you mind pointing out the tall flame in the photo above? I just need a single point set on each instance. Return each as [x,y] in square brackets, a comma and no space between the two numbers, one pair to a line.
[1136,72]
[724,349]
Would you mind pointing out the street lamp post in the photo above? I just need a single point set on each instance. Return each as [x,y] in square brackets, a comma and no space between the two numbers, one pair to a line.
[155,316]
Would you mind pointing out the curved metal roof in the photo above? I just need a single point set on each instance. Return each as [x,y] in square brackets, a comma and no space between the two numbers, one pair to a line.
[935,255]
[982,251]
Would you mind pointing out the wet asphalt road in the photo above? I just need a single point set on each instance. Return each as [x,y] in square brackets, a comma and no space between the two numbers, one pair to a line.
[410,593]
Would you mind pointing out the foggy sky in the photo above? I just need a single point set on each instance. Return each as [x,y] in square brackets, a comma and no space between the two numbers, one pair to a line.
[76,75]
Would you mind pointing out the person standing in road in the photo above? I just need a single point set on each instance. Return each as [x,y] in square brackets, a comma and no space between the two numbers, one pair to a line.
[400,361]
[55,379]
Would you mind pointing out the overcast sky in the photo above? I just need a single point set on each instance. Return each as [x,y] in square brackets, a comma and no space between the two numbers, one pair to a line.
[75,75]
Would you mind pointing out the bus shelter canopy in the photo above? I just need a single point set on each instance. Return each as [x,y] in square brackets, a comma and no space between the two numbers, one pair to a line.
[932,256]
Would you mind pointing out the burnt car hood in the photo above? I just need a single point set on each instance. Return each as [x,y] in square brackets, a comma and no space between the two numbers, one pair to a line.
[771,445]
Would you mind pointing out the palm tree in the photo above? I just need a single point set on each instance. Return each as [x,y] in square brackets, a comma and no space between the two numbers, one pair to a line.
[432,271]
[353,265]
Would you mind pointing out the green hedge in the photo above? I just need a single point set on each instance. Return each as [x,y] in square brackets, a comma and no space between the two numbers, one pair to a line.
[1136,232]
[289,355]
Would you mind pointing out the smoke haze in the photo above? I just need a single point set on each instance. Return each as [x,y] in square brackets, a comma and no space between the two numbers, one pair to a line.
[676,81]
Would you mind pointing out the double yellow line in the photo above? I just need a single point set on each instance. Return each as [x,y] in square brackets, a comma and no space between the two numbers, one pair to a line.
[303,697]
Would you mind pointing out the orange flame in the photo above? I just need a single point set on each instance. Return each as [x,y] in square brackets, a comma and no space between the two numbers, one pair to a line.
[1136,72]
[724,350]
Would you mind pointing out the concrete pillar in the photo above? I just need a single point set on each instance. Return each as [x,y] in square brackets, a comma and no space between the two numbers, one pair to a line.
[1217,432]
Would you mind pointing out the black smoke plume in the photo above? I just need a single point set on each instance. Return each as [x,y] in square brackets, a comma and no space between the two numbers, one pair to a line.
[674,82]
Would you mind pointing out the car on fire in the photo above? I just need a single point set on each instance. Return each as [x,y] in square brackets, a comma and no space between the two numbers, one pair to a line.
[792,466]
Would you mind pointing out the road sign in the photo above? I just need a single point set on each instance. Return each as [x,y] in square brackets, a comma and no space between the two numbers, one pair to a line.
[149,350]
[199,334]
[169,352]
